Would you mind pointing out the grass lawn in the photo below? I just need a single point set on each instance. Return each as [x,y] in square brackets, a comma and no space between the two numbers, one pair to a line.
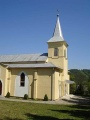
[32,111]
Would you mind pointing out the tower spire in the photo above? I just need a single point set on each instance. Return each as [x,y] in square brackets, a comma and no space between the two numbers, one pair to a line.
[58,30]
[57,34]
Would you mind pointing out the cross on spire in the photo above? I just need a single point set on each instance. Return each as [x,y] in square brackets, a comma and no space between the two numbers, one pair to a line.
[57,12]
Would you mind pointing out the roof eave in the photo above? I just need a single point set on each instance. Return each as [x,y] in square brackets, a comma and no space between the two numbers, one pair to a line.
[35,67]
[58,41]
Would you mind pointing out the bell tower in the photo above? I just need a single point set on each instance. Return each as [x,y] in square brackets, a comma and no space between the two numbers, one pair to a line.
[57,49]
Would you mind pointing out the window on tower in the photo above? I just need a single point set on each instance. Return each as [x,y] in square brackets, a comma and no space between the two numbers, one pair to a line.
[65,53]
[55,51]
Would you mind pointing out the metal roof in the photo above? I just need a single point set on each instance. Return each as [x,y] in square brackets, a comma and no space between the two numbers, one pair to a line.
[57,35]
[55,39]
[42,65]
[23,57]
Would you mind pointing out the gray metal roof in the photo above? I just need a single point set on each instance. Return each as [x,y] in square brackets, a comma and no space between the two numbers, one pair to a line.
[42,65]
[23,57]
[55,39]
[57,35]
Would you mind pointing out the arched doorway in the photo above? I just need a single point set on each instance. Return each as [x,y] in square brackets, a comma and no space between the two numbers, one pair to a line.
[0,87]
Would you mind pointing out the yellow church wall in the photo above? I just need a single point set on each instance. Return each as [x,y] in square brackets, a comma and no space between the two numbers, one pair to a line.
[57,60]
[51,47]
[39,82]
[3,79]
[28,72]
[63,88]
[62,63]
[44,83]
[57,79]
[7,82]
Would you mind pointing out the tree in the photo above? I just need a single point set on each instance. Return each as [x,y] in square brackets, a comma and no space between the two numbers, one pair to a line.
[79,90]
[88,87]
[82,79]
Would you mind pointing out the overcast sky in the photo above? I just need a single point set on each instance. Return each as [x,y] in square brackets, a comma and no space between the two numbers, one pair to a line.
[26,26]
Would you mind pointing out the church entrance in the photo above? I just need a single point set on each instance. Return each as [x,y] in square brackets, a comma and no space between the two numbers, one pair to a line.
[0,88]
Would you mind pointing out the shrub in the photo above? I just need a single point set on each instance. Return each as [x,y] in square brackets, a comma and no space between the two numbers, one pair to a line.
[45,97]
[72,88]
[8,94]
[25,97]
[79,90]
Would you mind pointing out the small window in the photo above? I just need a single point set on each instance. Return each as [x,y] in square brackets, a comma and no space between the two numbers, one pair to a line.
[65,53]
[22,80]
[55,51]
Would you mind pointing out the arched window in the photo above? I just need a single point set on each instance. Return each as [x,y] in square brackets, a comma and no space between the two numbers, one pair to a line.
[55,51]
[22,80]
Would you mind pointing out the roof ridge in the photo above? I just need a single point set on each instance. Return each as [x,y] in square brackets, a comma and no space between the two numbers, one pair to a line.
[22,54]
[23,57]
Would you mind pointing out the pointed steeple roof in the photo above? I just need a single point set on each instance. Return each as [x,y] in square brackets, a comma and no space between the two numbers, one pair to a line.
[57,35]
[57,30]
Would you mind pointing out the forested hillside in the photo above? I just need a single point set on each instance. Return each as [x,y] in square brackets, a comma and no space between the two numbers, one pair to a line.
[82,81]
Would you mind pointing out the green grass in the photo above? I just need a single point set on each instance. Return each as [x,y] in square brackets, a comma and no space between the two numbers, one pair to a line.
[32,111]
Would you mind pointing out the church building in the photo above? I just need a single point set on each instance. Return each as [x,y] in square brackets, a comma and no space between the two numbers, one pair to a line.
[37,74]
